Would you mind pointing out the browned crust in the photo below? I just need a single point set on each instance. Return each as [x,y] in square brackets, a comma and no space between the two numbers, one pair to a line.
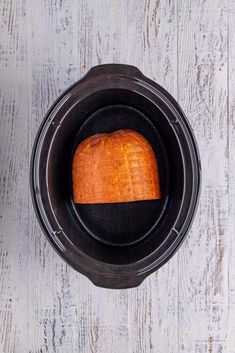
[116,167]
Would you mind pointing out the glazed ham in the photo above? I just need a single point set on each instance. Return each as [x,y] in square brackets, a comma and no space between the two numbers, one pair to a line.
[116,167]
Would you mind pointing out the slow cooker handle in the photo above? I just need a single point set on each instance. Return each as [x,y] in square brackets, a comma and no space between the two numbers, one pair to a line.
[116,283]
[114,69]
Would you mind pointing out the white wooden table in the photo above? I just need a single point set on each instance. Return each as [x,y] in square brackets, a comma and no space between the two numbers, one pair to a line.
[188,46]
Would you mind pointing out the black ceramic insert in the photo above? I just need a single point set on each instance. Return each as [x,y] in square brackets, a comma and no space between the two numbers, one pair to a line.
[115,245]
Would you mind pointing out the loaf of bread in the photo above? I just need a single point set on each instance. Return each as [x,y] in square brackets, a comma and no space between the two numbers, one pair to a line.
[116,167]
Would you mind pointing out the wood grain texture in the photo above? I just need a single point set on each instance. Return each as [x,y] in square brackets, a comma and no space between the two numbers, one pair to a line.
[203,92]
[189,304]
[231,146]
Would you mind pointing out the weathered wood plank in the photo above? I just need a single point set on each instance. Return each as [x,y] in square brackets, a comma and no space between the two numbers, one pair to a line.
[14,193]
[231,137]
[202,92]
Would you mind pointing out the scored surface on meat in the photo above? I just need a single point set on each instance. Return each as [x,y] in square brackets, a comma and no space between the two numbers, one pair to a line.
[115,167]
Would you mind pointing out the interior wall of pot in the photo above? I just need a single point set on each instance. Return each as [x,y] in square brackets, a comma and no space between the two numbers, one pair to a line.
[124,232]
